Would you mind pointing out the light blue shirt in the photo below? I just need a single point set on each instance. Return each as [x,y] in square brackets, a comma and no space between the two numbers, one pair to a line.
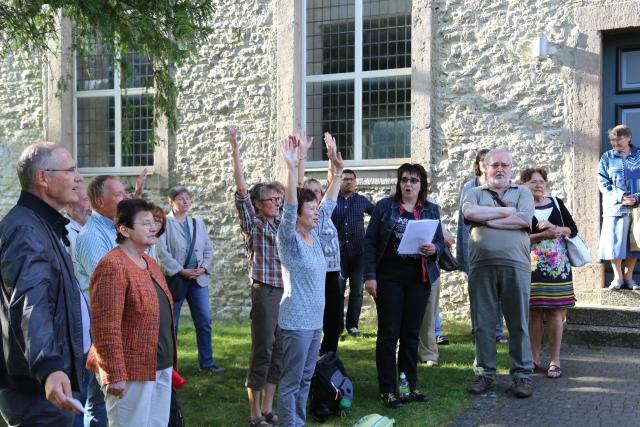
[97,238]
[618,176]
[303,270]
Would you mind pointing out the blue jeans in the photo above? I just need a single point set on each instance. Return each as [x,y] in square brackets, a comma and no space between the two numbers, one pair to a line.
[352,268]
[438,325]
[93,400]
[198,299]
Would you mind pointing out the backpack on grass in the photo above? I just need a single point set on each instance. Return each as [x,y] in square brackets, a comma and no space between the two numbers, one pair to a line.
[331,391]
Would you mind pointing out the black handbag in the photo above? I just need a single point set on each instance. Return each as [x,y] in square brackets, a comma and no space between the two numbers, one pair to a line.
[178,282]
[446,260]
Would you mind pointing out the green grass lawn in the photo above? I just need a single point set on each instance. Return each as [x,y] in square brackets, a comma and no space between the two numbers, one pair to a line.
[221,400]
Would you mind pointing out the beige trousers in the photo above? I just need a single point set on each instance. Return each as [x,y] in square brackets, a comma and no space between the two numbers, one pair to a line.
[428,348]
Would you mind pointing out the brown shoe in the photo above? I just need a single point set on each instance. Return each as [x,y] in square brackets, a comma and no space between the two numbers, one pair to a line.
[522,388]
[480,384]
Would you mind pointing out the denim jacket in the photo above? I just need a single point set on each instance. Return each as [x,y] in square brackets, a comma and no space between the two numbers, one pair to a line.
[618,176]
[379,230]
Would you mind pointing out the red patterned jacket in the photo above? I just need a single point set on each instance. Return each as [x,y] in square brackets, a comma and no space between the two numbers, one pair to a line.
[125,317]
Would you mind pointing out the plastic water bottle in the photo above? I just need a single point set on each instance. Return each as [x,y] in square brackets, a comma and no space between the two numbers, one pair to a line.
[403,386]
[345,406]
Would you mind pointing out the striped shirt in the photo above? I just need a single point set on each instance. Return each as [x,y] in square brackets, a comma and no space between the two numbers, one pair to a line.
[260,243]
[97,238]
[348,217]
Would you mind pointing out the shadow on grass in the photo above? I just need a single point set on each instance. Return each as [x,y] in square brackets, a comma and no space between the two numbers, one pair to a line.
[220,400]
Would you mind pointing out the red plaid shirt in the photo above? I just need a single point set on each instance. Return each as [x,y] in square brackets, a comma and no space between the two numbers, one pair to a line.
[260,243]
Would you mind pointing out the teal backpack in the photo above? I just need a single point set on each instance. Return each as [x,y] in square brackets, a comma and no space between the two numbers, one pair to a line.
[374,420]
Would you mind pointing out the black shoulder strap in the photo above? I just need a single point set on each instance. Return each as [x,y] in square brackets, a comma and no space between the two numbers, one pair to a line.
[193,242]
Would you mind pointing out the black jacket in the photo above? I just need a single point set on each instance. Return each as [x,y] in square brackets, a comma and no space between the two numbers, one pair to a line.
[379,230]
[40,315]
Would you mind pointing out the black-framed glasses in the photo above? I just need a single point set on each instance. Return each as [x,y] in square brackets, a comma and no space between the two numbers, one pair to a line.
[412,180]
[273,200]
[73,169]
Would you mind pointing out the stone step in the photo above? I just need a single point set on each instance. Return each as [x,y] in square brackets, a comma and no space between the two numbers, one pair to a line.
[621,298]
[628,317]
[601,336]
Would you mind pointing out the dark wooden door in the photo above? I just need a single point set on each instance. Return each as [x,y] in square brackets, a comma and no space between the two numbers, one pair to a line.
[620,93]
[621,84]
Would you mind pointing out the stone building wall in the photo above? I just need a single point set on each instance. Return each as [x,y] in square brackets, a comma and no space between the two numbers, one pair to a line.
[21,120]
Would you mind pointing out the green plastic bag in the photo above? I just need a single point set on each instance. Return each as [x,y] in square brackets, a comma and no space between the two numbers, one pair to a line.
[374,420]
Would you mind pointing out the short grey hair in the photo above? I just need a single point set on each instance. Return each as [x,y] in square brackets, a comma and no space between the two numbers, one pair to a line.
[35,157]
[495,151]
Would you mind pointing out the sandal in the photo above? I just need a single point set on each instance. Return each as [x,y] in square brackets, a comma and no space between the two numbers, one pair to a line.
[554,371]
[539,369]
[260,421]
[271,418]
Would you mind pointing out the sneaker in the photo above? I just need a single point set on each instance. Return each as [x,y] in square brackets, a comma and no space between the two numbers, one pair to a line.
[480,384]
[442,340]
[616,284]
[501,339]
[431,363]
[631,284]
[354,332]
[521,388]
[390,400]
[213,369]
[415,396]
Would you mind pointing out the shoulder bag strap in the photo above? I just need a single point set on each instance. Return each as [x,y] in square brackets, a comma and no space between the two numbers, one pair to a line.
[193,242]
[497,198]
[558,206]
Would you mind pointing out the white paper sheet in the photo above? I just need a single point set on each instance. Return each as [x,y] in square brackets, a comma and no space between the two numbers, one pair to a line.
[418,232]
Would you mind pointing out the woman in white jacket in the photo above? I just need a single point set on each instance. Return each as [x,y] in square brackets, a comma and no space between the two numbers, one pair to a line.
[175,257]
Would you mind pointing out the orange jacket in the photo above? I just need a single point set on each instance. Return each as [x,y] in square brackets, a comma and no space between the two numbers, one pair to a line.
[125,317]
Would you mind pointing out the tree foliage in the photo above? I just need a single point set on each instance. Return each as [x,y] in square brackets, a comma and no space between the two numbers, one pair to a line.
[169,31]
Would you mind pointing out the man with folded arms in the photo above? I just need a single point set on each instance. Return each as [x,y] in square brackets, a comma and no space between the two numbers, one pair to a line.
[500,215]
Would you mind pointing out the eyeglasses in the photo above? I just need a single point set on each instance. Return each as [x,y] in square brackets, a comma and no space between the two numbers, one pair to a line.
[500,165]
[537,182]
[147,225]
[412,180]
[274,200]
[348,179]
[157,222]
[73,169]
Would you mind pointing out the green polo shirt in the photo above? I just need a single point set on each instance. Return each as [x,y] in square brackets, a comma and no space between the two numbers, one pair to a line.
[491,246]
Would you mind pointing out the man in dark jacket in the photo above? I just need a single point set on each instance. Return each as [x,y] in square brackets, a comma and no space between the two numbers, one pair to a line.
[43,317]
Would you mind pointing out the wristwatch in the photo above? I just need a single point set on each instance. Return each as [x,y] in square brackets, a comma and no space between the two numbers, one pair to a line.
[337,175]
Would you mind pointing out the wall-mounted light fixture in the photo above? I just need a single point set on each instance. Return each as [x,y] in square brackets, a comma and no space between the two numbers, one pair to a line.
[539,48]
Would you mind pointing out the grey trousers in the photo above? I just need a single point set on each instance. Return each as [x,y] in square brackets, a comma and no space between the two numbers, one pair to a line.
[27,409]
[511,286]
[300,353]
[428,348]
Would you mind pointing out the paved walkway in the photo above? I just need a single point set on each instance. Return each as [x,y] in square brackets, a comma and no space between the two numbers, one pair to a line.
[599,387]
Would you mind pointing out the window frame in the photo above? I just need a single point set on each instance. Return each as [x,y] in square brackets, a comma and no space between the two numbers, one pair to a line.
[357,76]
[117,93]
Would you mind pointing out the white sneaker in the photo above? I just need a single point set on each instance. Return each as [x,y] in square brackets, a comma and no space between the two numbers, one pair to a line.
[616,284]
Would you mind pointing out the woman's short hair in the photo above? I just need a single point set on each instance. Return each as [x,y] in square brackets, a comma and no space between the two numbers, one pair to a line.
[304,196]
[527,173]
[479,159]
[413,169]
[126,213]
[176,191]
[158,212]
[620,131]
